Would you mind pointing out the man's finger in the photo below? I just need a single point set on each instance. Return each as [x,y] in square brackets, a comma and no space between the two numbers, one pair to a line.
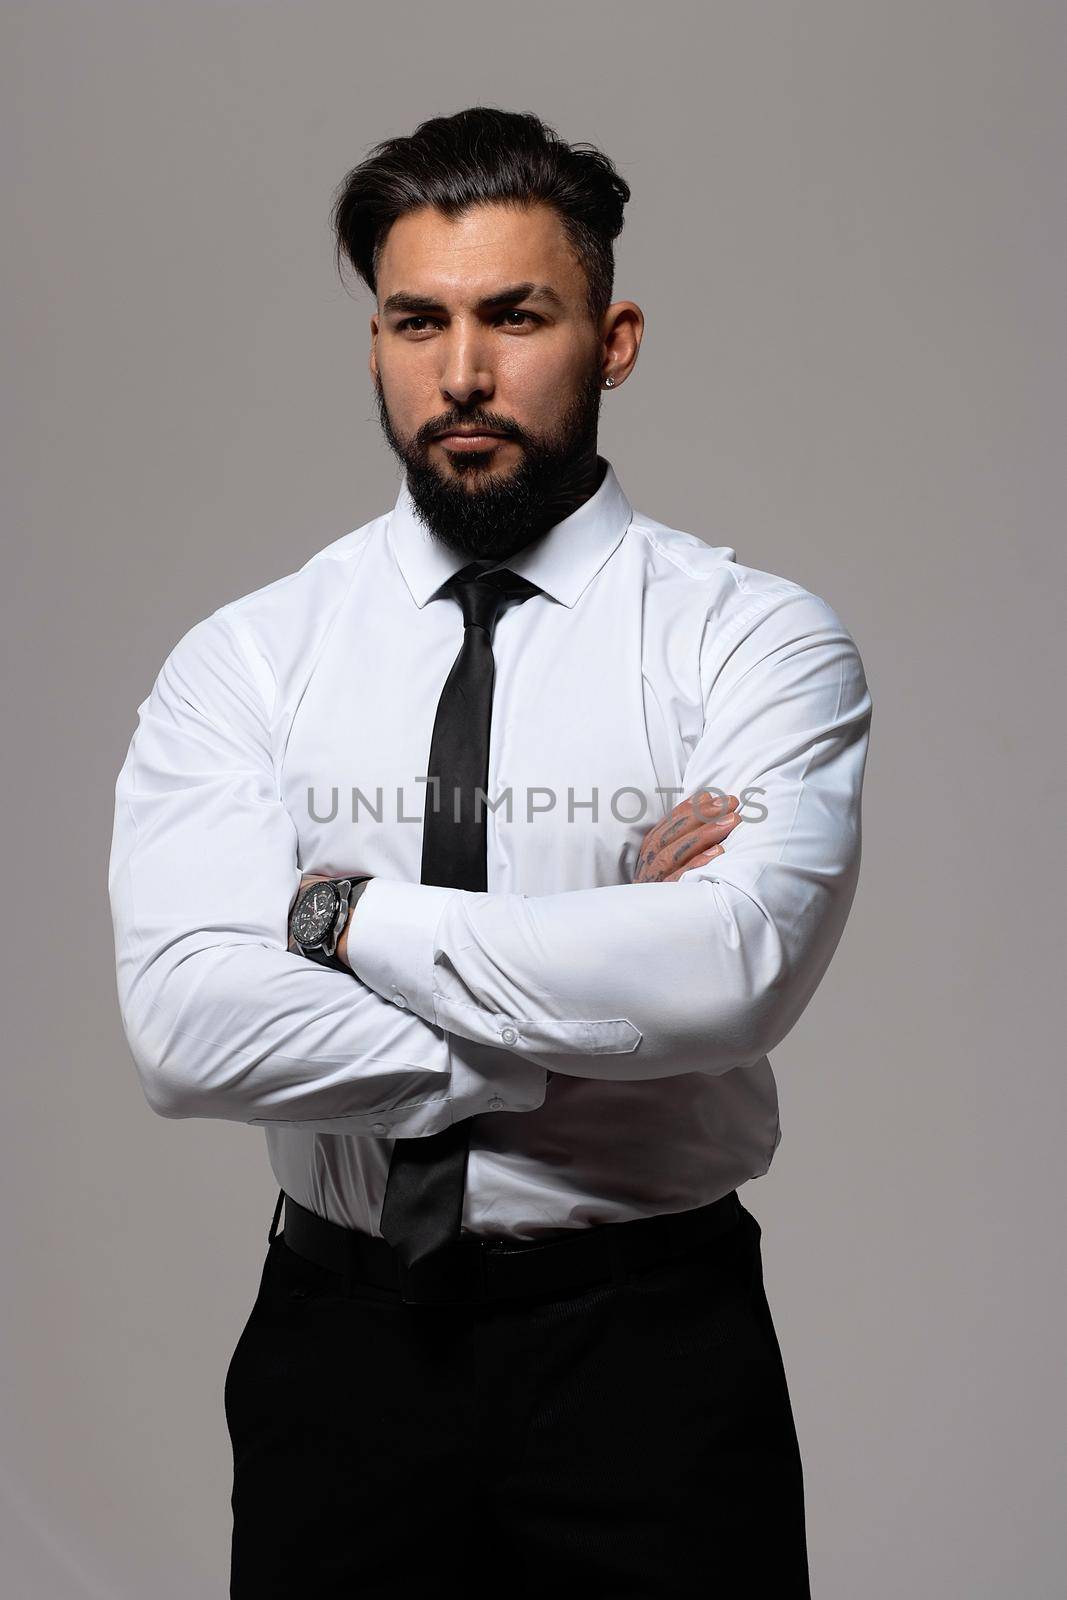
[697,861]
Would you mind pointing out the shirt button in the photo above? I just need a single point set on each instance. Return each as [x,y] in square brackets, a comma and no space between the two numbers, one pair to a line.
[508,1035]
[400,999]
[378,1127]
[496,1104]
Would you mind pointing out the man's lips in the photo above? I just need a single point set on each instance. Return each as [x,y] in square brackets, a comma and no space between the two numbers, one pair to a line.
[468,438]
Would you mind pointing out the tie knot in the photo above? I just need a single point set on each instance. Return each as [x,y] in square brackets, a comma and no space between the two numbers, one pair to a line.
[482,595]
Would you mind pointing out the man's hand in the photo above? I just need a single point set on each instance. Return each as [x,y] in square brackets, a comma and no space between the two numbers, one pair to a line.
[690,836]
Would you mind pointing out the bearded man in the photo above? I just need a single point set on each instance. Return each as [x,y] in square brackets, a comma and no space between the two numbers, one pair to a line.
[481,861]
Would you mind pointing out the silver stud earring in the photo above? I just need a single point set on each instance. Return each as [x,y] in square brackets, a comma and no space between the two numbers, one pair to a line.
[609,383]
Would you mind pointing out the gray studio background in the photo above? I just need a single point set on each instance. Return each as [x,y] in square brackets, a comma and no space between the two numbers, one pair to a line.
[847,233]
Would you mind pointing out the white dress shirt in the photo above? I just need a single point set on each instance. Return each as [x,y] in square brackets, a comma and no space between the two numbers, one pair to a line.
[610,1038]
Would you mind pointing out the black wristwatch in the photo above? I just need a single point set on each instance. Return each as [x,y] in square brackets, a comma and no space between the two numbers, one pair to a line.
[319,916]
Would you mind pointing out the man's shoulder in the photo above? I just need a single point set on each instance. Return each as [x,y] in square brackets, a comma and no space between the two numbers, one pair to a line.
[719,581]
[262,633]
[322,579]
[737,612]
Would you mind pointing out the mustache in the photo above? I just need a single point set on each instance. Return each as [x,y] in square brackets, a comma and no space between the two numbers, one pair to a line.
[491,424]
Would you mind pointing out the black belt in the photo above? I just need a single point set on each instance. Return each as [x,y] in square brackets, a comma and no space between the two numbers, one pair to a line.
[482,1267]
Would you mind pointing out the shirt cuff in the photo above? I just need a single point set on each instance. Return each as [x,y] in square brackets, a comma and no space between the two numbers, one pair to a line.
[391,941]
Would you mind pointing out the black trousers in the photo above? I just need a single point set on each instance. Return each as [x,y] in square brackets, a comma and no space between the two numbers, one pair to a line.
[626,1439]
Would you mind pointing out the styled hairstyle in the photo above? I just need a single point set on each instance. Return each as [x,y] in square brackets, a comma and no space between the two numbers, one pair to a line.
[476,157]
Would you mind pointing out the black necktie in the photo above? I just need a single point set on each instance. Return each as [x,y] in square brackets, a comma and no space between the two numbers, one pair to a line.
[423,1206]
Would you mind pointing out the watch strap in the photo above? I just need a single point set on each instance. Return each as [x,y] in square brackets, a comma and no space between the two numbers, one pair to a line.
[317,953]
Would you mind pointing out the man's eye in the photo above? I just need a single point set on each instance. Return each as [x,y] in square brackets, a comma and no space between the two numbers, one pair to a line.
[511,311]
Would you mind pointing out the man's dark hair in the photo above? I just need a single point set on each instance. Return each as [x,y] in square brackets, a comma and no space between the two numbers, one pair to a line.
[476,157]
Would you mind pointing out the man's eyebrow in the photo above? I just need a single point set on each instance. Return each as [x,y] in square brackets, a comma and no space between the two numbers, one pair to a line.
[401,300]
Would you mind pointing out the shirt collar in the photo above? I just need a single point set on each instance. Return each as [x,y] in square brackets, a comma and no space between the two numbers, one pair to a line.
[562,561]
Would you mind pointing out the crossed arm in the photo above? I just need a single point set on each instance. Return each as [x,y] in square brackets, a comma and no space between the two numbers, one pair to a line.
[704,970]
[689,837]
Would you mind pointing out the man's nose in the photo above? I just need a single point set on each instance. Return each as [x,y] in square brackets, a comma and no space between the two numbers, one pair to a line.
[466,374]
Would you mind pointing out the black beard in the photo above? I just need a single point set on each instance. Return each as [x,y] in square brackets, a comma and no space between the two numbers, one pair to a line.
[493,515]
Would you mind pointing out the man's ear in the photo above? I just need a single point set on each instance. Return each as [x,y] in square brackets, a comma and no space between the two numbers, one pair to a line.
[373,360]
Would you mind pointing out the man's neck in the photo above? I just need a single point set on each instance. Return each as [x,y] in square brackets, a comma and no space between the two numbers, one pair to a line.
[579,485]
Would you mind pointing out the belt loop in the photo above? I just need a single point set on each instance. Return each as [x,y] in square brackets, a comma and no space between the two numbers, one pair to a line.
[277,1214]
[348,1275]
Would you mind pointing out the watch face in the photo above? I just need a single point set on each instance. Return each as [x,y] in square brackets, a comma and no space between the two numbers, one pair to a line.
[314,916]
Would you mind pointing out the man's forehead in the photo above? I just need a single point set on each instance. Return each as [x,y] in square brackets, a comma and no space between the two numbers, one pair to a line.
[484,252]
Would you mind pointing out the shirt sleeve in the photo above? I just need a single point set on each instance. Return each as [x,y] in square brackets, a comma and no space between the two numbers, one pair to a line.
[222,1020]
[707,974]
